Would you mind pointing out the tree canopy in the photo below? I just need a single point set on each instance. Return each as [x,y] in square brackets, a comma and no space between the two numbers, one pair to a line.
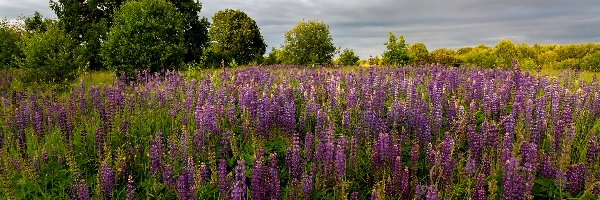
[235,37]
[308,42]
[145,34]
[397,51]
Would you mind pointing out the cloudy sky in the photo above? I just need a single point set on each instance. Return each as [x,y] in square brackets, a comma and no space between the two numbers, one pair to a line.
[363,25]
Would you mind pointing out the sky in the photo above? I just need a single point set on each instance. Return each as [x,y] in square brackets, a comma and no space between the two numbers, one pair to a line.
[364,25]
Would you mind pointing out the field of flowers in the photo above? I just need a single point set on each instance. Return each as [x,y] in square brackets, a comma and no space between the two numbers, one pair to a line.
[285,132]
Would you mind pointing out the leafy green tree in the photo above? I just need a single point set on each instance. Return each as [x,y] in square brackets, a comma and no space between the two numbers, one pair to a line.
[235,37]
[50,57]
[195,29]
[347,57]
[10,51]
[145,34]
[445,56]
[419,53]
[37,22]
[591,62]
[88,23]
[273,58]
[309,42]
[506,52]
[397,51]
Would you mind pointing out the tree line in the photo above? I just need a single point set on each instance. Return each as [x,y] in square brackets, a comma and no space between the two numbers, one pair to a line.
[124,36]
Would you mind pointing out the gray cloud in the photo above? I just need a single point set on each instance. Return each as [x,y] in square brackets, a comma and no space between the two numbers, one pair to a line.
[363,25]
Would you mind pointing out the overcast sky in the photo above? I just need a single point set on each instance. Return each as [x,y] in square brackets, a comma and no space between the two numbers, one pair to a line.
[363,25]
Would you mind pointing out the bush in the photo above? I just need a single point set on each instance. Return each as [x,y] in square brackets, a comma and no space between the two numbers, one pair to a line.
[569,63]
[591,62]
[347,58]
[51,57]
[309,42]
[145,34]
[9,45]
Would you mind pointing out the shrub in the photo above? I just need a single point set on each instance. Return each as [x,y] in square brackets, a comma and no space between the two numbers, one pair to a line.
[591,62]
[51,57]
[9,45]
[145,34]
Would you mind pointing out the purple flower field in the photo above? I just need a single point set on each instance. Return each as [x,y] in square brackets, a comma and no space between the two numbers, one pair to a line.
[287,132]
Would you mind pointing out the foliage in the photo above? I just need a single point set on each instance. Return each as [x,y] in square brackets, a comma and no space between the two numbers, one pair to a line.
[347,58]
[591,62]
[88,22]
[308,42]
[419,53]
[397,52]
[444,56]
[146,34]
[274,57]
[10,50]
[51,57]
[506,52]
[235,36]
[195,29]
[37,22]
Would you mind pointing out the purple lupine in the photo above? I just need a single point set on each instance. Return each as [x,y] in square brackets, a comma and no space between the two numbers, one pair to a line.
[238,187]
[512,181]
[106,181]
[156,155]
[80,190]
[274,187]
[203,177]
[479,192]
[222,178]
[447,162]
[475,143]
[308,146]
[167,176]
[354,196]
[420,191]
[432,193]
[506,152]
[340,159]
[592,151]
[99,144]
[225,138]
[130,189]
[575,177]
[529,165]
[292,159]
[257,186]
[470,166]
[307,185]
[184,186]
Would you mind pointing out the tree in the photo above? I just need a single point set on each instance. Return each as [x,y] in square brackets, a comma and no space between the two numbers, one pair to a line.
[37,22]
[87,22]
[397,51]
[195,29]
[444,56]
[419,53]
[235,36]
[50,57]
[273,58]
[506,52]
[145,34]
[348,58]
[309,42]
[591,62]
[10,51]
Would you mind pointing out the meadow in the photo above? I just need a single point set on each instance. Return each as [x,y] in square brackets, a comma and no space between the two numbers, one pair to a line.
[293,132]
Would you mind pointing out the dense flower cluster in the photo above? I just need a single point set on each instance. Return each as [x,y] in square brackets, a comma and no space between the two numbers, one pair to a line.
[287,132]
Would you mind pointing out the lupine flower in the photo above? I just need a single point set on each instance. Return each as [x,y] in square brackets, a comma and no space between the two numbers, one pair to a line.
[257,181]
[274,187]
[238,189]
[354,196]
[447,162]
[340,159]
[222,174]
[184,186]
[512,181]
[479,192]
[292,161]
[106,181]
[529,164]
[130,193]
[80,190]
[432,193]
[575,176]
[156,154]
[167,176]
